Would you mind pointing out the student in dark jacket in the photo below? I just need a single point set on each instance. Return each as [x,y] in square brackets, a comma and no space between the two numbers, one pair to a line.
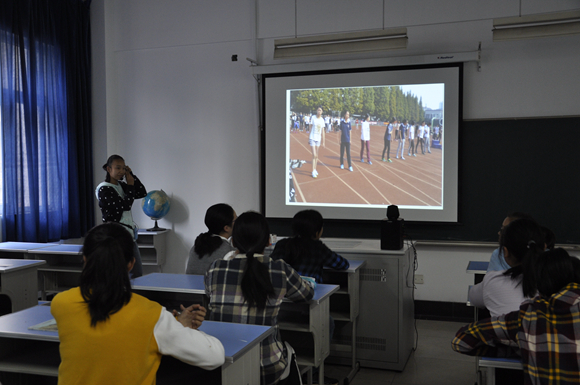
[305,252]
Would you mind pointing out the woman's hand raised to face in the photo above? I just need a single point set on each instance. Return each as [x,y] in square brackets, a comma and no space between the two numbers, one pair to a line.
[128,176]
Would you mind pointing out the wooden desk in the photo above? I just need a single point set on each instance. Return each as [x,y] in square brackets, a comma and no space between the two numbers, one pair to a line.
[19,281]
[19,250]
[344,307]
[172,290]
[477,267]
[493,363]
[304,325]
[64,262]
[63,268]
[36,352]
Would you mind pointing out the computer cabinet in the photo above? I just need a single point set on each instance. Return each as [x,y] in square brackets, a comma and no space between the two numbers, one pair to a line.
[385,326]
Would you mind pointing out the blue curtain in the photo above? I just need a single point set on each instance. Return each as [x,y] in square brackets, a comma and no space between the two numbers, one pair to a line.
[45,119]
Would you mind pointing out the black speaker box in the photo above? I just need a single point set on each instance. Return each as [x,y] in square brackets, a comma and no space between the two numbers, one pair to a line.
[392,234]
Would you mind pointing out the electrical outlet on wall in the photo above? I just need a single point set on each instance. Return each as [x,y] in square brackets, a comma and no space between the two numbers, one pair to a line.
[419,279]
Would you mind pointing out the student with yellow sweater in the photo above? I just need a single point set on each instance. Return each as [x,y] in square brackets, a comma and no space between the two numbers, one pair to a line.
[109,335]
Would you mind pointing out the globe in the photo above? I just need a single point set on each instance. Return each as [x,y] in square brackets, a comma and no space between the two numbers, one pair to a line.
[155,205]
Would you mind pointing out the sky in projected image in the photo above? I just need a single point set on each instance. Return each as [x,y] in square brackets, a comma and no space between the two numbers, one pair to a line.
[413,178]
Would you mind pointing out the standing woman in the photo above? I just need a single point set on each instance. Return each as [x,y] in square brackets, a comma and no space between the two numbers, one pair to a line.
[116,198]
[402,136]
[110,335]
[365,137]
[412,128]
[249,289]
[316,137]
[387,146]
[345,140]
[215,243]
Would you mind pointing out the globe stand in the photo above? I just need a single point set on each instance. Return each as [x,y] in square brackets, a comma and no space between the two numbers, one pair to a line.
[156,228]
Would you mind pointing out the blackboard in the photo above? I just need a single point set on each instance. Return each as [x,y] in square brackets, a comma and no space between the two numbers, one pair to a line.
[529,165]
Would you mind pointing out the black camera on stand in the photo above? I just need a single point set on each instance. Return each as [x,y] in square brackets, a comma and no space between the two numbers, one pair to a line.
[392,230]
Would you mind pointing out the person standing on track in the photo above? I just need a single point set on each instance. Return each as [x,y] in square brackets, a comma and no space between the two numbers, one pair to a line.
[316,137]
[402,135]
[365,137]
[427,138]
[345,140]
[387,146]
[307,119]
[412,129]
[420,141]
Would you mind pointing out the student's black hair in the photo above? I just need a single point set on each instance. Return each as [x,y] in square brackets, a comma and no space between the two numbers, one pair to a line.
[392,120]
[518,215]
[549,238]
[109,163]
[104,283]
[216,218]
[306,224]
[344,113]
[555,269]
[251,235]
[524,240]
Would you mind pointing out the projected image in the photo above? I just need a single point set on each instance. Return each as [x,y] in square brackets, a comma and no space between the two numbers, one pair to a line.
[366,146]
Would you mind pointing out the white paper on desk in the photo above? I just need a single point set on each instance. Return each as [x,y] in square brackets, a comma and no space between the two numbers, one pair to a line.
[47,326]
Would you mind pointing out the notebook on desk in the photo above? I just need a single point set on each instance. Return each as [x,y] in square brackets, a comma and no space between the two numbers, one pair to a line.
[47,326]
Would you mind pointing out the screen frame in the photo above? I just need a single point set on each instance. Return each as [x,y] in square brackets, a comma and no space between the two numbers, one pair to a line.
[272,165]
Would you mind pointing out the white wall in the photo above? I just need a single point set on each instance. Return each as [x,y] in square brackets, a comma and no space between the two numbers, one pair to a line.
[169,99]
[444,271]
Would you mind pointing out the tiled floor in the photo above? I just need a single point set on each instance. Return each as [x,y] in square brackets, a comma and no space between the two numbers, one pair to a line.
[433,363]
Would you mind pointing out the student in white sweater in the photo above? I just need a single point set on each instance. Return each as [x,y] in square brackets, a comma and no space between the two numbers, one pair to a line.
[215,243]
[502,292]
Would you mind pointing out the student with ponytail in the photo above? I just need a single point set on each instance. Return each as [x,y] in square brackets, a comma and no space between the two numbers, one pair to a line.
[110,335]
[545,329]
[116,198]
[306,253]
[250,288]
[215,243]
[501,292]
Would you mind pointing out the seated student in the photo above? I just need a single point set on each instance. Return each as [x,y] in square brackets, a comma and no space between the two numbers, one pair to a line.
[544,328]
[497,261]
[213,244]
[305,252]
[503,291]
[109,335]
[250,288]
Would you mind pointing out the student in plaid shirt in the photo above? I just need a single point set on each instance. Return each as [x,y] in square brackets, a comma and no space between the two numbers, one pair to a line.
[250,288]
[546,328]
[305,252]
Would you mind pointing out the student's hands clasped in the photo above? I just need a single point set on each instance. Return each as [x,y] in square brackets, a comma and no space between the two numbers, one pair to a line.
[190,317]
